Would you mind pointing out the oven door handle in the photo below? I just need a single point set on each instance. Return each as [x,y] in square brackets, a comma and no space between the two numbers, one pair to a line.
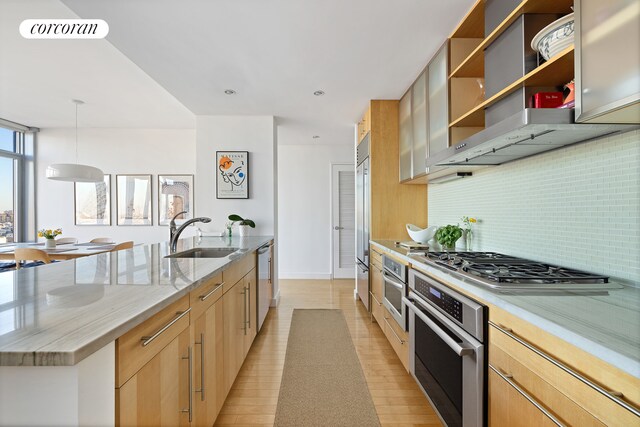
[457,348]
[387,278]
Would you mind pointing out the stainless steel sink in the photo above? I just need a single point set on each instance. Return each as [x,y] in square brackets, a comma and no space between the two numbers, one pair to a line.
[204,253]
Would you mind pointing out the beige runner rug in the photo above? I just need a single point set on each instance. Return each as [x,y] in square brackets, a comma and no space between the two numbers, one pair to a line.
[322,382]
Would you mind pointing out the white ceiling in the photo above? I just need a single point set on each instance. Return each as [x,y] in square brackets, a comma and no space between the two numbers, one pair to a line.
[274,53]
[38,79]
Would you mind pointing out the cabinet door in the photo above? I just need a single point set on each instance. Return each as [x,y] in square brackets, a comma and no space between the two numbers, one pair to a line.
[158,394]
[438,108]
[419,122]
[607,61]
[234,303]
[405,136]
[208,369]
[507,407]
[376,293]
[251,310]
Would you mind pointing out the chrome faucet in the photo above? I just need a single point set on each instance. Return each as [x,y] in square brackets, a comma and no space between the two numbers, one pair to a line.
[174,233]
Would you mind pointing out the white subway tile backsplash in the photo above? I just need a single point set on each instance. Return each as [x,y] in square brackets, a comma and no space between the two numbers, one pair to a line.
[578,206]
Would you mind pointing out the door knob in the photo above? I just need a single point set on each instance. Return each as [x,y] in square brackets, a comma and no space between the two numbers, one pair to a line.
[337,227]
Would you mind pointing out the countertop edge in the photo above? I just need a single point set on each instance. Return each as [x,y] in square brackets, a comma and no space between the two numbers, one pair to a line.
[593,348]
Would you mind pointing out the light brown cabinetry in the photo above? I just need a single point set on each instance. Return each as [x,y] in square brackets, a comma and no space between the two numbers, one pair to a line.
[177,367]
[364,125]
[208,352]
[393,205]
[377,282]
[239,327]
[159,393]
[530,382]
[398,338]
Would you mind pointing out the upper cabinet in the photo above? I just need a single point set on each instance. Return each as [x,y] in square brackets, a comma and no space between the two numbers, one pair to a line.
[607,61]
[438,101]
[405,137]
[364,126]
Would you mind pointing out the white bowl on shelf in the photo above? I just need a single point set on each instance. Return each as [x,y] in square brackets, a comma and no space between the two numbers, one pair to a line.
[555,37]
[421,235]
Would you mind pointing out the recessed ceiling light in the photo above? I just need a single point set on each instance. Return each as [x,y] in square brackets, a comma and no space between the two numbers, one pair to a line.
[230,92]
[318,93]
[316,136]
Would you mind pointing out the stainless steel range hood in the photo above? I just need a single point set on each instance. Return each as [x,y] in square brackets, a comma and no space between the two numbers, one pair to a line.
[528,132]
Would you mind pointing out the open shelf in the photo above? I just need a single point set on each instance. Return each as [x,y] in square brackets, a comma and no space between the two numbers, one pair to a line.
[472,25]
[473,65]
[555,72]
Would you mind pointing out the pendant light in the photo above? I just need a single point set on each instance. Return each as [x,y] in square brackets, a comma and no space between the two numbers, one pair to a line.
[74,172]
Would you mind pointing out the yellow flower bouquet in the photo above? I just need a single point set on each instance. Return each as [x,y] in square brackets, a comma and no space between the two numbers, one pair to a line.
[49,234]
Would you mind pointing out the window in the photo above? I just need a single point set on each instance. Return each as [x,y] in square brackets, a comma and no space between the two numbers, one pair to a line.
[17,195]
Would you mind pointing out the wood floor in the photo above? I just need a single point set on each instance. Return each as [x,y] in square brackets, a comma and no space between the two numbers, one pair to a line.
[253,399]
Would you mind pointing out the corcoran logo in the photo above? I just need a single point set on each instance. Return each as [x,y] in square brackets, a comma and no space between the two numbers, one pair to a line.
[64,29]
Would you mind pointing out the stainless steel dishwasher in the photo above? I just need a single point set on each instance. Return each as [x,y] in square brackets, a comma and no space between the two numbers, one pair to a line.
[265,285]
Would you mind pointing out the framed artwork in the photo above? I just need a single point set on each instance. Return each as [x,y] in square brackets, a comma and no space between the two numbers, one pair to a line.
[175,194]
[133,196]
[232,174]
[92,201]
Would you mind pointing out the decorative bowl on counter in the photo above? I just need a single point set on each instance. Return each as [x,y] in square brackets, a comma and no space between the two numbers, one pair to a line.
[555,37]
[421,235]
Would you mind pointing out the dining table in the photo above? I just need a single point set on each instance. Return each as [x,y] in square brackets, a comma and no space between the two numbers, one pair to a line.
[62,251]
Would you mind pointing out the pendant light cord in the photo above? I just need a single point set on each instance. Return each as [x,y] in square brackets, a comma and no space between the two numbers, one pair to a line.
[76,133]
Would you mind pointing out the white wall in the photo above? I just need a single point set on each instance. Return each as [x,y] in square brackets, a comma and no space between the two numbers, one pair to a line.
[254,134]
[115,151]
[257,135]
[578,206]
[304,188]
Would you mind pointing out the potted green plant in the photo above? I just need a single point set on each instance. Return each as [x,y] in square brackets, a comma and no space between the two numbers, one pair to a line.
[448,235]
[244,224]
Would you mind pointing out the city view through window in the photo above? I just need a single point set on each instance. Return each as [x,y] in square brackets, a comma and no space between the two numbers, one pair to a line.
[7,188]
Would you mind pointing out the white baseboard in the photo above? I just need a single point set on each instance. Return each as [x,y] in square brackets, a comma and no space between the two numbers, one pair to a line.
[312,276]
[275,300]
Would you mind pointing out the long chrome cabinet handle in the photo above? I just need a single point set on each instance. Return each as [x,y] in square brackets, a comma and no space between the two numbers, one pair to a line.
[391,281]
[244,307]
[249,305]
[207,295]
[190,410]
[509,379]
[201,344]
[394,332]
[146,340]
[613,395]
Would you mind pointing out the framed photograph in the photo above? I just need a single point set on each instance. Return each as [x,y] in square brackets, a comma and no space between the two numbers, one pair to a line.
[175,194]
[232,174]
[93,202]
[133,196]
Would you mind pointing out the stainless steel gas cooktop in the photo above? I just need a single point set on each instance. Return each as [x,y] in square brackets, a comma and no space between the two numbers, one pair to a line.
[504,272]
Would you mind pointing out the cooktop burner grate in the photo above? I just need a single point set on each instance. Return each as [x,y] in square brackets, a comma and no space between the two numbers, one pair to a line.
[499,268]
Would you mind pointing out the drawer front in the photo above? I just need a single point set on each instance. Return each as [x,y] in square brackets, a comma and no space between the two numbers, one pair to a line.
[375,256]
[205,295]
[596,404]
[398,338]
[539,390]
[238,270]
[138,346]
[377,310]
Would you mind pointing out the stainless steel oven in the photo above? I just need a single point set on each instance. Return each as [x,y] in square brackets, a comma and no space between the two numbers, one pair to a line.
[446,352]
[395,289]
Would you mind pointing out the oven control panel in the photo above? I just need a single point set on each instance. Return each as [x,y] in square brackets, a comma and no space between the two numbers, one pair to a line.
[440,298]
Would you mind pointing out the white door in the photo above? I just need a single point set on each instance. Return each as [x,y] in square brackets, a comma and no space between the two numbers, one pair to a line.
[343,220]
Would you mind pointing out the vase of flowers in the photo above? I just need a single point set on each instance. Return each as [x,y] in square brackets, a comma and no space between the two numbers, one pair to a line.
[49,237]
[468,225]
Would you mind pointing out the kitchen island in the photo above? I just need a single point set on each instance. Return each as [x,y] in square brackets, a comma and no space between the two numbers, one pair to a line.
[59,324]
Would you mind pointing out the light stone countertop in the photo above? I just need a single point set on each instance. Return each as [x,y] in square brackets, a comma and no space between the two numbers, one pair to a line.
[58,314]
[606,326]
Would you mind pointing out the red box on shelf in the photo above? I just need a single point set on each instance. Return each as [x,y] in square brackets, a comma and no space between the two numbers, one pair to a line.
[546,100]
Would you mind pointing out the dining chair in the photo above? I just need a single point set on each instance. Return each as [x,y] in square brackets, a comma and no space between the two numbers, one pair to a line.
[123,245]
[102,240]
[66,240]
[29,254]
